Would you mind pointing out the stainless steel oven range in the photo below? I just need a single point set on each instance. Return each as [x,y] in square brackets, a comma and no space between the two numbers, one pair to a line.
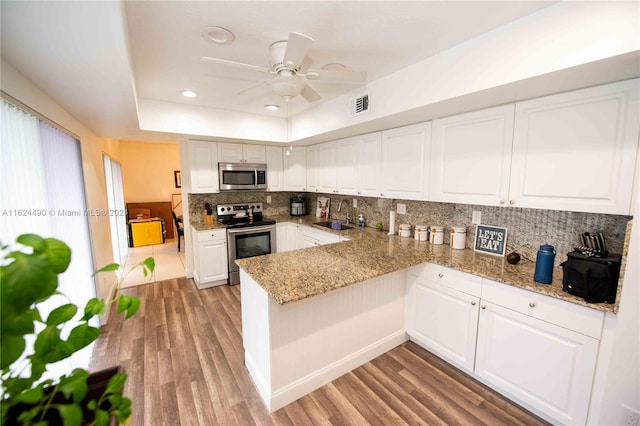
[248,233]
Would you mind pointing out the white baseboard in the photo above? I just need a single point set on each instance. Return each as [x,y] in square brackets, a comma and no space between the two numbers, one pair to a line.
[313,381]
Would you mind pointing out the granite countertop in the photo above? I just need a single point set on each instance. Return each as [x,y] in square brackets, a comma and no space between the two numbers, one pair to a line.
[201,226]
[299,274]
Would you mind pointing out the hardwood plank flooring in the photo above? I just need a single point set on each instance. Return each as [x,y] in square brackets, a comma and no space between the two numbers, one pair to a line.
[184,357]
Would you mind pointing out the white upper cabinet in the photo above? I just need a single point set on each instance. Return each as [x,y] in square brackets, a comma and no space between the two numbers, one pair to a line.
[369,165]
[471,157]
[295,170]
[241,153]
[576,151]
[347,162]
[313,168]
[203,163]
[326,173]
[274,168]
[405,162]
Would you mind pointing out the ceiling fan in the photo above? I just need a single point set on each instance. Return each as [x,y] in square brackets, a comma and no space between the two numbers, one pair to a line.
[286,60]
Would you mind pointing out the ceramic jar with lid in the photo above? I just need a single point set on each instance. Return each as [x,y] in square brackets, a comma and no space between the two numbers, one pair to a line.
[421,233]
[437,235]
[404,230]
[458,237]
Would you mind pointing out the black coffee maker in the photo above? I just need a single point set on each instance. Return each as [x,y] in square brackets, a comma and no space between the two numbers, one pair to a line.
[298,206]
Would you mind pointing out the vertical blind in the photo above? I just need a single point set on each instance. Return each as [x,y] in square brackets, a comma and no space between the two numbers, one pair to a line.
[43,193]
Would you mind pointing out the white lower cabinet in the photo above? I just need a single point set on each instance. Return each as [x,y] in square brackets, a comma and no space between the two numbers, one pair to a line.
[287,237]
[210,258]
[443,319]
[313,237]
[539,351]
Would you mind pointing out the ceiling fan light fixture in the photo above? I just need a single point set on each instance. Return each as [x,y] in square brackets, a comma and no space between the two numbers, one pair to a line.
[188,93]
[287,87]
[334,66]
[218,35]
[272,107]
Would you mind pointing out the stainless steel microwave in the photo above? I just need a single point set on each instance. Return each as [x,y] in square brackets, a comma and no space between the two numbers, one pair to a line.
[242,176]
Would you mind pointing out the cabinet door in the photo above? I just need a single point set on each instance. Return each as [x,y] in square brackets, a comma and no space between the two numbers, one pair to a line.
[347,166]
[444,321]
[203,161]
[295,172]
[547,367]
[471,157]
[274,168]
[326,173]
[213,261]
[369,165]
[312,168]
[254,154]
[405,162]
[230,152]
[576,151]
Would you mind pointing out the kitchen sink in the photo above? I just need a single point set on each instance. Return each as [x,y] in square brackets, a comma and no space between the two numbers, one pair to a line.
[328,225]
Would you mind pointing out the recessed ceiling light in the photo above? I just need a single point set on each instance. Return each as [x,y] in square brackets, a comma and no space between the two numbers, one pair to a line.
[218,35]
[188,93]
[334,66]
[272,107]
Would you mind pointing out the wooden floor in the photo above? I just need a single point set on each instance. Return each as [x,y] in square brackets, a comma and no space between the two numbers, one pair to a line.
[183,354]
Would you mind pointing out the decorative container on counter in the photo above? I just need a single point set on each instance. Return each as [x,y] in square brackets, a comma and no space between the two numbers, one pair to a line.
[437,235]
[544,264]
[404,230]
[458,238]
[421,233]
[361,221]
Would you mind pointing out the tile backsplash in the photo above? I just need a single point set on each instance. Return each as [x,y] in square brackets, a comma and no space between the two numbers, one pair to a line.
[527,228]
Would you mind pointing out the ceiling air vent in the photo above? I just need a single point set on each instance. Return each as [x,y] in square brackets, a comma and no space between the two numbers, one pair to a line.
[360,104]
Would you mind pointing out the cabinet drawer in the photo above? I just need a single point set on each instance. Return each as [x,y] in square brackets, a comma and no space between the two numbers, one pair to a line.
[441,275]
[212,235]
[564,314]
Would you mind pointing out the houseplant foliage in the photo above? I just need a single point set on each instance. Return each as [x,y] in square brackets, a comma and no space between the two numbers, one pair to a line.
[28,277]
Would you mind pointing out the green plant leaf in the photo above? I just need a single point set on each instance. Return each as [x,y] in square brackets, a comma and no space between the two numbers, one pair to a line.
[32,240]
[108,268]
[94,307]
[91,405]
[74,386]
[123,413]
[49,347]
[11,347]
[115,384]
[30,396]
[61,314]
[71,414]
[148,265]
[128,303]
[115,399]
[82,335]
[102,418]
[59,255]
[26,280]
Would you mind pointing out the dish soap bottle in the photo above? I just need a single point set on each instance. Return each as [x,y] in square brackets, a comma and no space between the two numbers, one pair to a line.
[360,221]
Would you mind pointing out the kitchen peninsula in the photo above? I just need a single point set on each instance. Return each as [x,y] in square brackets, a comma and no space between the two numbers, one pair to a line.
[309,316]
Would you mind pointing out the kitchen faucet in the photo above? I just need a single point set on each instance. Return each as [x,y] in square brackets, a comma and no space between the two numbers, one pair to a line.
[340,208]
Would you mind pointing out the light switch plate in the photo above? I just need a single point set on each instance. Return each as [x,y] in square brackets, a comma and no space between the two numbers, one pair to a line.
[476,217]
[402,208]
[268,199]
[355,202]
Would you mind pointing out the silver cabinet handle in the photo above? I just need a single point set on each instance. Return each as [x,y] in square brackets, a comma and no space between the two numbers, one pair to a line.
[532,305]
[502,201]
[440,275]
[484,306]
[512,202]
[473,303]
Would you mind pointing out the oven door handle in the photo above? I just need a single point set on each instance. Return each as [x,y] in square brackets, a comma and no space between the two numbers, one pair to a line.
[253,230]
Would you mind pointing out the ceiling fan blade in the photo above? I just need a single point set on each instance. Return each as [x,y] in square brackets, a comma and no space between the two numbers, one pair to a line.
[237,65]
[355,77]
[309,94]
[297,47]
[254,88]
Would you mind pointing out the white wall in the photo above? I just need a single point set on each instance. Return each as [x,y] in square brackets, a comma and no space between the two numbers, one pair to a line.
[147,171]
[473,74]
[92,148]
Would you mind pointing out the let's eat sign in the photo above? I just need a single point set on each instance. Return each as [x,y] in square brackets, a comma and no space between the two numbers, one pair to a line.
[491,239]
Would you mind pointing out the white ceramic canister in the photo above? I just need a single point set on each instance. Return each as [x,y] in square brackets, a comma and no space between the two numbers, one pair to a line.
[437,235]
[404,230]
[458,237]
[421,232]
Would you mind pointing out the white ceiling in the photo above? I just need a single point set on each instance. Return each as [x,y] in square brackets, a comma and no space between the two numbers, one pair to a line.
[96,59]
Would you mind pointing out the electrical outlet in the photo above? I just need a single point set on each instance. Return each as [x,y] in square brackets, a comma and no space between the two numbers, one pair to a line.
[402,208]
[476,217]
[355,203]
[268,199]
[630,417]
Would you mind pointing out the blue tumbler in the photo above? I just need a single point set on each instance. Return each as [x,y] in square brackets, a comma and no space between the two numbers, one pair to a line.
[544,264]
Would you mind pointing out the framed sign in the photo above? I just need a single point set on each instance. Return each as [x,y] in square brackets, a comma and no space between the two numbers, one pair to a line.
[491,239]
[177,178]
